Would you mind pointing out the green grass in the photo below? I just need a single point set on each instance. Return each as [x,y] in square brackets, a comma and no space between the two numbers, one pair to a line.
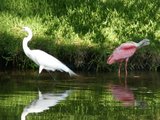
[81,33]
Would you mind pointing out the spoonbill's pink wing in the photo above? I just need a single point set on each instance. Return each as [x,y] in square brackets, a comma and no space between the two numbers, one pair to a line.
[124,51]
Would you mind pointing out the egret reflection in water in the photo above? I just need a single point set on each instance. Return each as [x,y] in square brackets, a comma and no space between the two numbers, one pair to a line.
[44,102]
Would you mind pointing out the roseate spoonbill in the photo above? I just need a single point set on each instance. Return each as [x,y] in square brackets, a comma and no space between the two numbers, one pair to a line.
[124,52]
[43,59]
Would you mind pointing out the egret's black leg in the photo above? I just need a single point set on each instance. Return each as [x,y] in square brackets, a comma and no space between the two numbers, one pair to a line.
[51,75]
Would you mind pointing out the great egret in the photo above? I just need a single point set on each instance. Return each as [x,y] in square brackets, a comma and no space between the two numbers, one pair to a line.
[43,59]
[125,51]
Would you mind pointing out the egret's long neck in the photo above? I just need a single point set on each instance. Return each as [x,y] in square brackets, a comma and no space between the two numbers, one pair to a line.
[25,42]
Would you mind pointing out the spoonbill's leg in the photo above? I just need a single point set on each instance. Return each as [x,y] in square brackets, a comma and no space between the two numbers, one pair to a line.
[119,70]
[126,67]
[125,81]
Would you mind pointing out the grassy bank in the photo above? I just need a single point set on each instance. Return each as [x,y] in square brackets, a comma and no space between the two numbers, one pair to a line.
[81,33]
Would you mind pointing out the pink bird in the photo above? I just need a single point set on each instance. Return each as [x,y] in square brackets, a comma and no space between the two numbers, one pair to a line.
[124,52]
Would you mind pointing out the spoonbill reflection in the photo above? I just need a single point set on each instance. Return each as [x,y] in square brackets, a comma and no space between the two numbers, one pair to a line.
[43,59]
[124,52]
[123,94]
[44,102]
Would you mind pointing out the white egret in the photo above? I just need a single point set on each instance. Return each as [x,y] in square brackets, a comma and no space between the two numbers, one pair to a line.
[43,59]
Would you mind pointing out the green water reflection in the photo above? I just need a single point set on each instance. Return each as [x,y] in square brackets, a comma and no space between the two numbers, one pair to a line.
[23,96]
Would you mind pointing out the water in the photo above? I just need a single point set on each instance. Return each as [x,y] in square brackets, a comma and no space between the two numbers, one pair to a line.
[24,96]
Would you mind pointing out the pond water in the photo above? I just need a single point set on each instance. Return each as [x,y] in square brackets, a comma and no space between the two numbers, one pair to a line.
[27,96]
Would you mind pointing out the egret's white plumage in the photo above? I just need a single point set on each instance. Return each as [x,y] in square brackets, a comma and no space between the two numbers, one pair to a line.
[43,59]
